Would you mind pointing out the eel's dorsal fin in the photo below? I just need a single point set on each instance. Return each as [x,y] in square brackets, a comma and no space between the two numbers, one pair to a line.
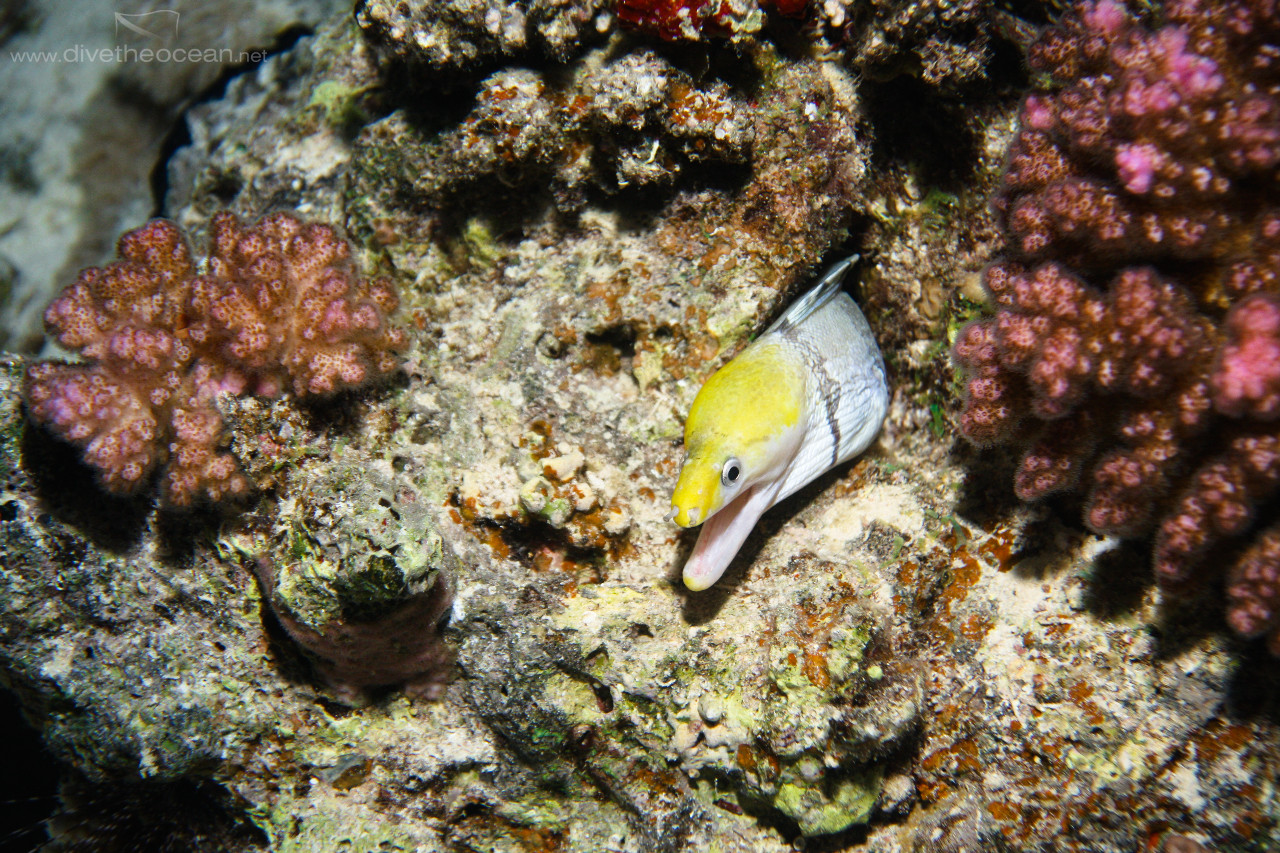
[821,293]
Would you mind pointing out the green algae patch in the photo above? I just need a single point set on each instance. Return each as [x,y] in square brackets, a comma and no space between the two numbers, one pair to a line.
[291,832]
[833,806]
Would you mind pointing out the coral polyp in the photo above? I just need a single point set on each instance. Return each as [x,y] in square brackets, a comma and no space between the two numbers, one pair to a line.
[278,308]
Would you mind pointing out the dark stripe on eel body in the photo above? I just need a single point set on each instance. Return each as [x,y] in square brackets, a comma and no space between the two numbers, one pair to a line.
[830,391]
[831,401]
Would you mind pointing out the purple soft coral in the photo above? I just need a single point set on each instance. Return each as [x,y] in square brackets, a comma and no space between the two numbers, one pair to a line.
[280,306]
[1135,346]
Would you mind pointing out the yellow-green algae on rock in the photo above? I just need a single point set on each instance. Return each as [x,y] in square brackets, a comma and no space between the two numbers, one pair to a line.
[758,700]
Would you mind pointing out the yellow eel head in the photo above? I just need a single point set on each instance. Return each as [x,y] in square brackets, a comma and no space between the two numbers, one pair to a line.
[741,430]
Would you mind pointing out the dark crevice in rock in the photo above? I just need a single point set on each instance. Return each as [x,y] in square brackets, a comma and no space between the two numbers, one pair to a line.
[179,133]
[68,491]
[29,783]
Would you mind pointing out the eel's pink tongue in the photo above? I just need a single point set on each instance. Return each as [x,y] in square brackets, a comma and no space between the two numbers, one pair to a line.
[723,534]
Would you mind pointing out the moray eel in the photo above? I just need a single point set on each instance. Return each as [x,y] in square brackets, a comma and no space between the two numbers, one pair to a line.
[805,396]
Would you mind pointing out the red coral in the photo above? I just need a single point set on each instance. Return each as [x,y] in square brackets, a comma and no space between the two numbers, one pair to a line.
[672,20]
[279,306]
[1135,350]
[690,20]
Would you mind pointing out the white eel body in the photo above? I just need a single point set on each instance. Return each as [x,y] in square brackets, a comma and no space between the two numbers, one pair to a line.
[824,343]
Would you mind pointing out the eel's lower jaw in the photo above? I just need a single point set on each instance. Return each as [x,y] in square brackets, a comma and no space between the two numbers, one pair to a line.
[723,534]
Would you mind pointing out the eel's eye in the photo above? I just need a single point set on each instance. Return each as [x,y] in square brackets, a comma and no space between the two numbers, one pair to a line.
[731,473]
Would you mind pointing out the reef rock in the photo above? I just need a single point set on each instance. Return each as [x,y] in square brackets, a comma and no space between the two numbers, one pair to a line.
[451,617]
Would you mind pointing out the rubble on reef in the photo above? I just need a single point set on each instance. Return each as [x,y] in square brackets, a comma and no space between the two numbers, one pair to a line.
[633,122]
[943,42]
[454,35]
[451,618]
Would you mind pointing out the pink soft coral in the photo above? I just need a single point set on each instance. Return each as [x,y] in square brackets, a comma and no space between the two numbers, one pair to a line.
[279,306]
[1247,380]
[1135,349]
